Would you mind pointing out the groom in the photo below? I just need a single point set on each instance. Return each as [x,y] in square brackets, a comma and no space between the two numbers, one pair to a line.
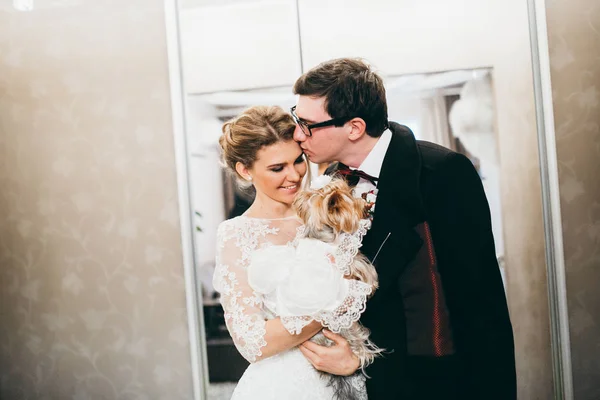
[440,311]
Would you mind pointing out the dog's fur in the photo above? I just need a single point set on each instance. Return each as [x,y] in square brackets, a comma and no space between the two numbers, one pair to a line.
[328,212]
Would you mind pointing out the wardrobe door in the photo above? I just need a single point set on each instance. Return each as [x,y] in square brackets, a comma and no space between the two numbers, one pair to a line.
[235,45]
[406,36]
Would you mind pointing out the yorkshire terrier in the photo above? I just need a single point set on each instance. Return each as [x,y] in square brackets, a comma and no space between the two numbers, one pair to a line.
[332,214]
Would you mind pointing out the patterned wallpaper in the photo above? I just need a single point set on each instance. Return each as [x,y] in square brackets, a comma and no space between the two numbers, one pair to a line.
[92,299]
[574,38]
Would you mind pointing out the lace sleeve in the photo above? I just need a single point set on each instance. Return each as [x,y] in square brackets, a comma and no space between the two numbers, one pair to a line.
[243,312]
[350,310]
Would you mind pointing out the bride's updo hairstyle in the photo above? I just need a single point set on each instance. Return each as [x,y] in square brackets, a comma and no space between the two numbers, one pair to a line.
[255,128]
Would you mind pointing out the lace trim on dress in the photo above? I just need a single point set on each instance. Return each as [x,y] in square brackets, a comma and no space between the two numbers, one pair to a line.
[349,311]
[348,246]
[294,325]
[341,318]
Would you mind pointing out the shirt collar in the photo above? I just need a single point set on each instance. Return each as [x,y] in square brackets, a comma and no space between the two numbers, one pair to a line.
[372,164]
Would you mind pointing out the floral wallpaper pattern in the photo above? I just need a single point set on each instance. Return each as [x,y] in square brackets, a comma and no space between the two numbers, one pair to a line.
[574,40]
[92,296]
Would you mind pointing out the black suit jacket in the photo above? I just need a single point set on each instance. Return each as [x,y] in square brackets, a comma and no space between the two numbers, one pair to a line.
[440,311]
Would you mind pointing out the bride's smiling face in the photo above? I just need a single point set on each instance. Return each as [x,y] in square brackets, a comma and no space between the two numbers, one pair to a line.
[278,171]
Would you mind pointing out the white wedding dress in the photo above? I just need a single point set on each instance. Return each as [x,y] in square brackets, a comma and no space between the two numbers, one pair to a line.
[266,269]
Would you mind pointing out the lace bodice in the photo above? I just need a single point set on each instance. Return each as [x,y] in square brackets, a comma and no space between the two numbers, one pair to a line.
[245,314]
[266,269]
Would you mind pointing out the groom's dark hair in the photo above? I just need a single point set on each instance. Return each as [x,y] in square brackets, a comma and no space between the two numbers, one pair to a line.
[351,89]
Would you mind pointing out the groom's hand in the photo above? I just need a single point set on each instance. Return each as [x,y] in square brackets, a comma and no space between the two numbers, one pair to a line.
[337,359]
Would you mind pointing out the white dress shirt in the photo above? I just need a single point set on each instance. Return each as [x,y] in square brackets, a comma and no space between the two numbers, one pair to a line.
[373,162]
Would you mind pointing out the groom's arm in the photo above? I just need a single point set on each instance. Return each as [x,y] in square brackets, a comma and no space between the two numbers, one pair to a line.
[336,360]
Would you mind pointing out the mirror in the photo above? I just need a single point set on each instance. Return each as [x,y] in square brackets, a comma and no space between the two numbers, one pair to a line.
[453,73]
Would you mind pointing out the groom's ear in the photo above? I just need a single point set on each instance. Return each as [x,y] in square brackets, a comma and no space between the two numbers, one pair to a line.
[358,128]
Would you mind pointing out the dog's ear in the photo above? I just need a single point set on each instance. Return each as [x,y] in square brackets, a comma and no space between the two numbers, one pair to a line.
[308,206]
[344,211]
[333,205]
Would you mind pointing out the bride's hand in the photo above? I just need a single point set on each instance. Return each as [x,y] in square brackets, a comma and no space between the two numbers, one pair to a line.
[337,359]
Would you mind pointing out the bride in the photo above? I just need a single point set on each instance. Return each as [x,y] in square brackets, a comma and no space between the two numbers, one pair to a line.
[258,147]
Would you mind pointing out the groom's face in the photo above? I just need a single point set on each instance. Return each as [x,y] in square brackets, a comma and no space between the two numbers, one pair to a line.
[327,143]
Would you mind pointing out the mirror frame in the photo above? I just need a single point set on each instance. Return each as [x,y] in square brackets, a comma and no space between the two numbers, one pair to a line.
[193,295]
[555,259]
[555,263]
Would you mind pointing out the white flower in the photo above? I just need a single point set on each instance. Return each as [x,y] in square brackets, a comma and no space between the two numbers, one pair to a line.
[314,284]
[371,197]
[269,266]
[361,187]
[320,181]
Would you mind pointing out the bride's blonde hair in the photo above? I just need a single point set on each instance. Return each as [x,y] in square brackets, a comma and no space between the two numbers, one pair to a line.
[255,128]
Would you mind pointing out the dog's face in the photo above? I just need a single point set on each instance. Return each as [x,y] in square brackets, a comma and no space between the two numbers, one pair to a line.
[331,208]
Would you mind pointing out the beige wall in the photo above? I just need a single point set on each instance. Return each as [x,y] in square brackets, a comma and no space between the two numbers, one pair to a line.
[91,279]
[574,38]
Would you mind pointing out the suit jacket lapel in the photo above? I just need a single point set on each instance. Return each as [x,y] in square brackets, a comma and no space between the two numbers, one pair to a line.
[392,241]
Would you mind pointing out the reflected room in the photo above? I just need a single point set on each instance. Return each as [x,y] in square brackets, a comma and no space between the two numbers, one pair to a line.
[446,79]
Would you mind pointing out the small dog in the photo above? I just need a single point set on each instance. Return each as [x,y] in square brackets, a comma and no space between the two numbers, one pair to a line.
[329,211]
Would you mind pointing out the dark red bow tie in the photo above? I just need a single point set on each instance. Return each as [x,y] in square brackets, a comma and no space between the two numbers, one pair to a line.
[352,176]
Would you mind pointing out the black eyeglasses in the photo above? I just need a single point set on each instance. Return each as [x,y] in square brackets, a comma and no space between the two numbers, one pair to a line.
[307,128]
